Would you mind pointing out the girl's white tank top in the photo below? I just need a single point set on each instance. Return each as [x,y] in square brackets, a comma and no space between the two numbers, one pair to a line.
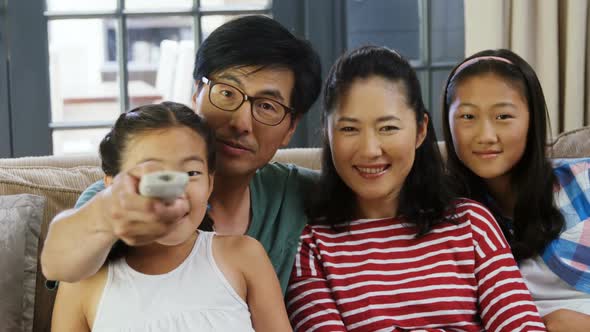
[195,296]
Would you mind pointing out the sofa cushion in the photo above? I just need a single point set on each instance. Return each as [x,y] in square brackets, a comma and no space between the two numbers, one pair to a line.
[60,186]
[572,144]
[304,157]
[20,222]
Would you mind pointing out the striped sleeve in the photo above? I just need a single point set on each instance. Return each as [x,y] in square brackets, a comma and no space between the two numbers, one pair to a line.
[310,303]
[504,299]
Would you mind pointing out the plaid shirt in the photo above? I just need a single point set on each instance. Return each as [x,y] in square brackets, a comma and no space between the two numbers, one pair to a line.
[568,256]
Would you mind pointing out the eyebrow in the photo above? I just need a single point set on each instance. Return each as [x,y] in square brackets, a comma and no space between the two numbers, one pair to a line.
[379,119]
[187,159]
[274,93]
[232,78]
[500,104]
[504,104]
[193,158]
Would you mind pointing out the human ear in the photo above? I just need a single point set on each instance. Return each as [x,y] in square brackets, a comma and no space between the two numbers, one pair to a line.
[291,131]
[422,131]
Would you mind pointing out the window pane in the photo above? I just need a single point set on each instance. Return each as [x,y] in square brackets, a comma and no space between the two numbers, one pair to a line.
[245,4]
[158,5]
[81,5]
[77,141]
[212,22]
[447,31]
[424,86]
[439,78]
[395,24]
[160,59]
[83,70]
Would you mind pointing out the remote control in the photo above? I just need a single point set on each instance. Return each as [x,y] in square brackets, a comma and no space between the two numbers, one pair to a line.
[166,185]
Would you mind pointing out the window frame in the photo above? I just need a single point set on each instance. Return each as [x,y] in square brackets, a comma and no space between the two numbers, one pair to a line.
[429,66]
[324,24]
[25,122]
[24,81]
[425,67]
[5,131]
[122,15]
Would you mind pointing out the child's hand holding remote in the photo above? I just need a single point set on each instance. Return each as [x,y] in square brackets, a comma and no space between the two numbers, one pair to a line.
[131,213]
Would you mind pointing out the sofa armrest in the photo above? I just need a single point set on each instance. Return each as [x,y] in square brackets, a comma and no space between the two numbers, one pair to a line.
[304,157]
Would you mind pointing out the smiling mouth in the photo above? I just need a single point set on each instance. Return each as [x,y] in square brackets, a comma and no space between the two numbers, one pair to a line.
[372,171]
[487,154]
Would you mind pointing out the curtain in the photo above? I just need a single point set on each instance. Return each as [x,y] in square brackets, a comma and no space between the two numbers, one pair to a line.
[553,36]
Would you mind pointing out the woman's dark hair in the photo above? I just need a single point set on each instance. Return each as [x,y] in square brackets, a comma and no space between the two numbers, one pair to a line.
[262,42]
[536,219]
[425,198]
[144,119]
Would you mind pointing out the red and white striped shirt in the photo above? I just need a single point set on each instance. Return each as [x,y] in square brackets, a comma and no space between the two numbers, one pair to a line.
[376,276]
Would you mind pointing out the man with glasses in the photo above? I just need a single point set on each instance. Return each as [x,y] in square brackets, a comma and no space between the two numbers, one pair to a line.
[229,98]
[254,81]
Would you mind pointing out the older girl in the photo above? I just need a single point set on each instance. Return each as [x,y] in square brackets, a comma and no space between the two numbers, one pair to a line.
[495,131]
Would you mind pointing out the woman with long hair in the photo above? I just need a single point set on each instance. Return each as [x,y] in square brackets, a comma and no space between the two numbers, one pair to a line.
[389,245]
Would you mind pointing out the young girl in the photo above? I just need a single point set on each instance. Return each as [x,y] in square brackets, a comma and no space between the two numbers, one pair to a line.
[389,247]
[494,120]
[188,280]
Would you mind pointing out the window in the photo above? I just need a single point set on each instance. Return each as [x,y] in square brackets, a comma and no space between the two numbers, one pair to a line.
[428,33]
[68,56]
[106,57]
[5,134]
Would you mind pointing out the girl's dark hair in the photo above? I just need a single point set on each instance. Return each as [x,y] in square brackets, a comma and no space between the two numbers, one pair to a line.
[536,219]
[144,119]
[260,41]
[425,197]
[148,118]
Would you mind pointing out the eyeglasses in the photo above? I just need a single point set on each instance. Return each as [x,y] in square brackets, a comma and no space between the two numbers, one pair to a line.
[229,98]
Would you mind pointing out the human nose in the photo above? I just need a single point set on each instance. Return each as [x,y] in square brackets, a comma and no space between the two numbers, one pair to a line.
[370,145]
[241,119]
[487,132]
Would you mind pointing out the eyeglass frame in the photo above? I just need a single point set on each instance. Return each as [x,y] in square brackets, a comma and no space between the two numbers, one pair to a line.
[245,97]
